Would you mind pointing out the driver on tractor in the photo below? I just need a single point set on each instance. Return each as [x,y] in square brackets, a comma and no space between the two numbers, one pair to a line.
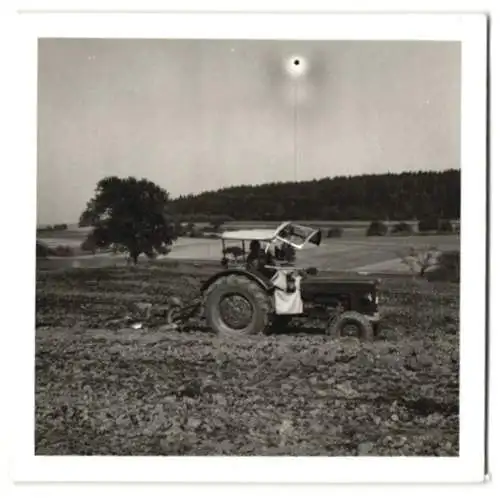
[254,255]
[257,259]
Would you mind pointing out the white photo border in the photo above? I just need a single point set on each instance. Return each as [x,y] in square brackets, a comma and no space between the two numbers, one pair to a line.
[471,31]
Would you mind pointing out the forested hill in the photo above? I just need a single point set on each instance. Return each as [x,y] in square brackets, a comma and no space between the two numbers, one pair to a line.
[404,196]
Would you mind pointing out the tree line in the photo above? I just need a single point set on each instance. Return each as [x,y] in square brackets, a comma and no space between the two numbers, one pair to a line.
[390,196]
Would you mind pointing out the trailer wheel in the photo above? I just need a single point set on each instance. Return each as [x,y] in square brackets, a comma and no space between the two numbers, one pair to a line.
[249,315]
[350,323]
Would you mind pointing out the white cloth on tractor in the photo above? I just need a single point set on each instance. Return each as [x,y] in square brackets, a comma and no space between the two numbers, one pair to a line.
[287,302]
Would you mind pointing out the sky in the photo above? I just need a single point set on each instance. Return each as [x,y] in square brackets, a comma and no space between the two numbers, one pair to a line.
[196,115]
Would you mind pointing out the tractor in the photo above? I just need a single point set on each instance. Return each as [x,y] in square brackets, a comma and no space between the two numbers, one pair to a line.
[262,292]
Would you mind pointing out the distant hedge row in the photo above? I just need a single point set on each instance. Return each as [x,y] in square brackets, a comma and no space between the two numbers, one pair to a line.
[44,251]
[376,228]
[380,228]
[50,228]
[425,226]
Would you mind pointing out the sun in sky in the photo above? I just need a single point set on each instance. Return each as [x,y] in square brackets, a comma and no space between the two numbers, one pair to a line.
[296,66]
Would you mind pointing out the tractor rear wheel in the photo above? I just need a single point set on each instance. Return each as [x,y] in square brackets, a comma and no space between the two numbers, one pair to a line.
[247,315]
[351,323]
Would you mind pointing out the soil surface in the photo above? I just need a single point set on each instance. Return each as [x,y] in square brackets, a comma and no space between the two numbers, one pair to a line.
[105,388]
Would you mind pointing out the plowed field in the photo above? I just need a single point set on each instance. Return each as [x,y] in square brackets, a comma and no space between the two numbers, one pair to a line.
[104,388]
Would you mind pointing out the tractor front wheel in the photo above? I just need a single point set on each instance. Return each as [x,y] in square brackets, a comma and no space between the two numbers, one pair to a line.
[236,305]
[351,323]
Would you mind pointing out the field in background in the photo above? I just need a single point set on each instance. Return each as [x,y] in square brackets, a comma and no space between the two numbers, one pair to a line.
[361,225]
[352,252]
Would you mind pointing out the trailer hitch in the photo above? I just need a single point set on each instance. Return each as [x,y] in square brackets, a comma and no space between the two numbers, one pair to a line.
[177,313]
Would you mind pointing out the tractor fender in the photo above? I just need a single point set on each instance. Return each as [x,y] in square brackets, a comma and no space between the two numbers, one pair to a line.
[263,281]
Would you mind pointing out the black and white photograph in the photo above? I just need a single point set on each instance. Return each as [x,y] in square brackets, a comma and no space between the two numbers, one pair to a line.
[251,246]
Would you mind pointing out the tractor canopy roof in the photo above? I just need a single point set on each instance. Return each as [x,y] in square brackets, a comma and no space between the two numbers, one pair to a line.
[288,232]
[265,235]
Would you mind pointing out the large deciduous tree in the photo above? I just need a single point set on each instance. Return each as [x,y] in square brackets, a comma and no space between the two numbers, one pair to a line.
[130,213]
